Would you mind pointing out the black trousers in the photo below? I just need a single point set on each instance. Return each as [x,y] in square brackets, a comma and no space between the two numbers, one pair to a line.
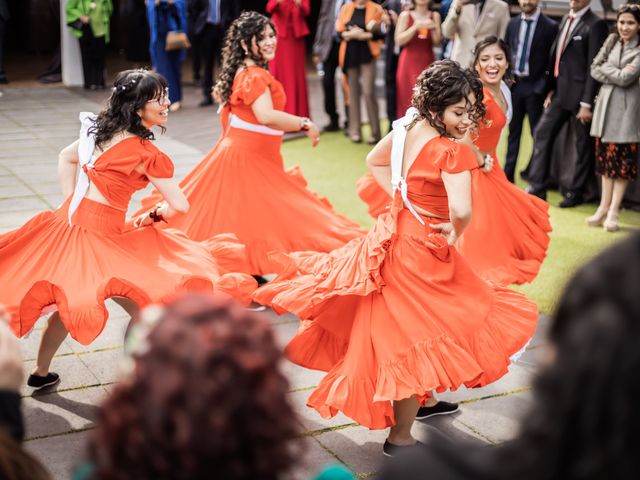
[196,54]
[93,50]
[211,47]
[553,118]
[390,71]
[2,31]
[329,82]
[525,102]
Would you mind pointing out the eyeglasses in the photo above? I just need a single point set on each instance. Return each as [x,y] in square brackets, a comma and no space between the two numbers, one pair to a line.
[163,98]
[629,7]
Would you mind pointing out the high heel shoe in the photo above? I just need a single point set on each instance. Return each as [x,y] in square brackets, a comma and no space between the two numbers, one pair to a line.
[597,218]
[611,223]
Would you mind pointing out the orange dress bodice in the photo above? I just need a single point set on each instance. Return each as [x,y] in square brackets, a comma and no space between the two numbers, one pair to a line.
[490,130]
[424,180]
[248,85]
[114,173]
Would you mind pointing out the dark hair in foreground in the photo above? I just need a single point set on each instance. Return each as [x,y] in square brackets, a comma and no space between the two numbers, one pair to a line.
[16,463]
[207,400]
[132,89]
[443,84]
[248,26]
[502,45]
[585,419]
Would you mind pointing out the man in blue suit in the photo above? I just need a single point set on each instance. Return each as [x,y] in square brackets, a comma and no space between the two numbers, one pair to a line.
[530,36]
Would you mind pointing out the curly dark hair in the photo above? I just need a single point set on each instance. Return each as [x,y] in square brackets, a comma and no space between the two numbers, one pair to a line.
[207,400]
[487,42]
[585,419]
[132,89]
[443,84]
[248,26]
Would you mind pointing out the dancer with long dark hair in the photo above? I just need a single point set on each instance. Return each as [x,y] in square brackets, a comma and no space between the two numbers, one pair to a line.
[241,186]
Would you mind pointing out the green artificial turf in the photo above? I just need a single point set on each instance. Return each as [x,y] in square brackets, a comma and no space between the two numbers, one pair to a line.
[333,167]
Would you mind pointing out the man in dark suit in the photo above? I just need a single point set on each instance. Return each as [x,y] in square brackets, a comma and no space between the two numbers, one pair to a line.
[529,36]
[571,93]
[4,18]
[391,54]
[211,23]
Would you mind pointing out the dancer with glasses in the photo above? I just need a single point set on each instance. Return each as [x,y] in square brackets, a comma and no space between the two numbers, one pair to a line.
[74,258]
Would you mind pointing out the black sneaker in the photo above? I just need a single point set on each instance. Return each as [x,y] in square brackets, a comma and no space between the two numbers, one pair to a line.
[391,450]
[37,382]
[440,408]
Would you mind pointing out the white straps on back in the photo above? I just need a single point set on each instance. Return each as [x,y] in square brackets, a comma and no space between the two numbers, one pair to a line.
[85,157]
[237,122]
[398,181]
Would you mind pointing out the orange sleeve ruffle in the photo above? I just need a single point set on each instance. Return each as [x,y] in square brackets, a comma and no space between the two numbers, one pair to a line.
[157,164]
[456,158]
[254,82]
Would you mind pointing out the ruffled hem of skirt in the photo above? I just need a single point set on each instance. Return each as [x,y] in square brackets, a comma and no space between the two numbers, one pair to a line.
[437,364]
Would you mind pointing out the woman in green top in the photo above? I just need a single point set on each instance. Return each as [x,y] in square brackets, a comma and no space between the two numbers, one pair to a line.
[89,21]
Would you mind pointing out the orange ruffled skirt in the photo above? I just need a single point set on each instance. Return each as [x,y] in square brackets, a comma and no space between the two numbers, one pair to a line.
[394,314]
[47,262]
[508,237]
[242,187]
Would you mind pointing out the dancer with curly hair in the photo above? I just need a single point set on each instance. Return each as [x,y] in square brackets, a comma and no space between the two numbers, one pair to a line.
[514,224]
[399,314]
[206,398]
[241,185]
[84,252]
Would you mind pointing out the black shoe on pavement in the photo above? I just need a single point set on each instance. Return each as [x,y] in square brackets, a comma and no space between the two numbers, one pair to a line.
[541,194]
[391,450]
[524,175]
[440,408]
[571,200]
[206,102]
[37,382]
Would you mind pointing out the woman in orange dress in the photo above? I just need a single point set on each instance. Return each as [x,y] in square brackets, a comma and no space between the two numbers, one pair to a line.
[241,186]
[509,236]
[398,314]
[74,258]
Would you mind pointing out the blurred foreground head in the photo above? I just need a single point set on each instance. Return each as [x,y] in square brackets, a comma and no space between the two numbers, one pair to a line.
[206,400]
[585,419]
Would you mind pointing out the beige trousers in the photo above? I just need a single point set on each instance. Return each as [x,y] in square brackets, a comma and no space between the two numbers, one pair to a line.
[361,80]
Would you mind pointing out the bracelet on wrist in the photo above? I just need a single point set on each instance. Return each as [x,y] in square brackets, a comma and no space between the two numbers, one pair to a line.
[305,124]
[156,216]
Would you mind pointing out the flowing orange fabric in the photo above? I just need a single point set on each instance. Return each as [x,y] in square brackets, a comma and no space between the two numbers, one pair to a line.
[77,267]
[508,237]
[398,312]
[241,187]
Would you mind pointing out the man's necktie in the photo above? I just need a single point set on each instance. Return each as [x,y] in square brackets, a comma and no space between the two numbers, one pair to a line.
[563,44]
[525,47]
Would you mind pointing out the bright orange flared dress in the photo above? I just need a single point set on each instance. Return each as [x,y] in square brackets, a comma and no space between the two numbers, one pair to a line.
[77,266]
[508,237]
[241,187]
[399,312]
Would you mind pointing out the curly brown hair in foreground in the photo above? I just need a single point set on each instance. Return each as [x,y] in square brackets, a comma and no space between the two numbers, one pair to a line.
[443,84]
[250,27]
[132,89]
[207,400]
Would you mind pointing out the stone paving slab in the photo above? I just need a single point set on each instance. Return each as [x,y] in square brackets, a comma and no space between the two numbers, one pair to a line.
[61,454]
